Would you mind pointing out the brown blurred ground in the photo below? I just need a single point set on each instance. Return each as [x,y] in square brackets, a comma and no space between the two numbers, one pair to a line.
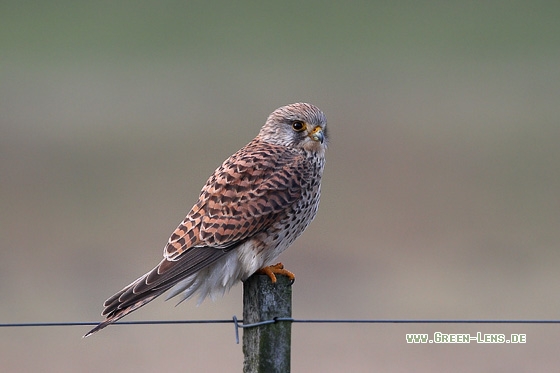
[441,195]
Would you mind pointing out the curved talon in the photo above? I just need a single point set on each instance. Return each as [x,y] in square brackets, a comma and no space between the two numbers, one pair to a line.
[277,269]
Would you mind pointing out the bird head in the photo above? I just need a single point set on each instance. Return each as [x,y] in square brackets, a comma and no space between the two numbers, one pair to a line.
[297,125]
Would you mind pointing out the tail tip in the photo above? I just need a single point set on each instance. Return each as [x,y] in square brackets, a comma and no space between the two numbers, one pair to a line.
[97,328]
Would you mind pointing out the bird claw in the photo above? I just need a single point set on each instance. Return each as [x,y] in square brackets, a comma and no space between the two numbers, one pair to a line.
[277,269]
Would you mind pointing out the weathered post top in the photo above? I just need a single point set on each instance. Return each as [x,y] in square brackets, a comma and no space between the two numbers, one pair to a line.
[267,347]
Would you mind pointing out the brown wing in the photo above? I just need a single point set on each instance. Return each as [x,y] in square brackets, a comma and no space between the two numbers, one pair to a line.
[246,194]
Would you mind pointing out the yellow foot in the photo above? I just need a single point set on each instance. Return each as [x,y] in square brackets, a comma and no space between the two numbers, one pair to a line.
[277,269]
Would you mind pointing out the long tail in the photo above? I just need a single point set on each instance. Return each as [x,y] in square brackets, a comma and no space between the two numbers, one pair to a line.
[121,313]
[130,299]
[154,283]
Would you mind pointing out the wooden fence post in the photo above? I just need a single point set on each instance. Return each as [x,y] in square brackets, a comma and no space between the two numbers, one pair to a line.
[267,347]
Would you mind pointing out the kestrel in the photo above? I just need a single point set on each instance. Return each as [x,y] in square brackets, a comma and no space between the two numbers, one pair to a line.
[249,211]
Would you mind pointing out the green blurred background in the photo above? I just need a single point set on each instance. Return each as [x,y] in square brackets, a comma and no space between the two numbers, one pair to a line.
[441,195]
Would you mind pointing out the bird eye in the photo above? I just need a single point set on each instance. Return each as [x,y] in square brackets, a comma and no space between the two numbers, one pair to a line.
[298,125]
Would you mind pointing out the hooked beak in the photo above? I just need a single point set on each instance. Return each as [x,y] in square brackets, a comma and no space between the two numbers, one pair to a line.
[317,134]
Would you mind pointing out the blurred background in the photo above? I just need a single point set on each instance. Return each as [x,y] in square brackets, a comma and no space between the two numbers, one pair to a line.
[441,193]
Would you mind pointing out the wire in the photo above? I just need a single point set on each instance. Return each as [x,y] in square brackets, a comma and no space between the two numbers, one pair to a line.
[239,323]
[303,321]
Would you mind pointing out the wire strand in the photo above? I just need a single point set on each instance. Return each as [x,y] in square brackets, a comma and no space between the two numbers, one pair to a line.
[303,321]
[239,323]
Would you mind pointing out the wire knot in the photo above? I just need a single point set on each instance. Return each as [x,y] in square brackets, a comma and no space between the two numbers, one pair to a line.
[237,325]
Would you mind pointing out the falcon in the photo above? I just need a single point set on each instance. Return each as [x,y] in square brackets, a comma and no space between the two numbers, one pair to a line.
[250,210]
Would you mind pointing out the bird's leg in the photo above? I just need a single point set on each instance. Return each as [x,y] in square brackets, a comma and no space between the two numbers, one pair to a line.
[277,269]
